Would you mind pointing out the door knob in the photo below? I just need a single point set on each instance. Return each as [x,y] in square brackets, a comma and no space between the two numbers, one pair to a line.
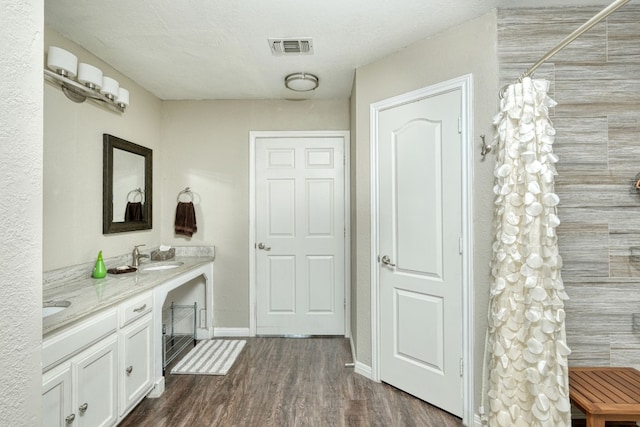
[387,261]
[83,408]
[264,247]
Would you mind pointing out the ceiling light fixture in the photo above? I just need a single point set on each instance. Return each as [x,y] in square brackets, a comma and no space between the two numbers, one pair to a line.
[301,82]
[90,84]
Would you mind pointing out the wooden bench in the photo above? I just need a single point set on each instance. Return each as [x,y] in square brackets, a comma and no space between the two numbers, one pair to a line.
[606,394]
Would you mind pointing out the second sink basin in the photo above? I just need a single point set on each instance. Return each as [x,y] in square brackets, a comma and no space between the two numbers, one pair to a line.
[53,307]
[161,266]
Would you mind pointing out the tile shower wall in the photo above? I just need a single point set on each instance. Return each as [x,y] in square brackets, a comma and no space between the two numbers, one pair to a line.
[596,82]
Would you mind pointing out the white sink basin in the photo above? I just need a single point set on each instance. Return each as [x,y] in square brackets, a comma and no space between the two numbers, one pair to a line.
[53,307]
[161,266]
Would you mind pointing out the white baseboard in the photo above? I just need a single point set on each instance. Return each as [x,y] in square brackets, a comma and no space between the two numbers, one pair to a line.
[231,332]
[364,370]
[359,367]
[157,390]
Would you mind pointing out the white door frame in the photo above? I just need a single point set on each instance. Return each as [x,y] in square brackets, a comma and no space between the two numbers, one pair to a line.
[253,135]
[464,83]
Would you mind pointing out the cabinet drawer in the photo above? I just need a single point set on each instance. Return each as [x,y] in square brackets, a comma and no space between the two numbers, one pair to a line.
[70,341]
[135,308]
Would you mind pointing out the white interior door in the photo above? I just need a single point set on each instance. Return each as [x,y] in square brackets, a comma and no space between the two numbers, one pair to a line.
[420,261]
[300,223]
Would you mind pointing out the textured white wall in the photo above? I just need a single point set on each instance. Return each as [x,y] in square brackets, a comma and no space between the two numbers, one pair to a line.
[468,48]
[73,165]
[21,211]
[205,146]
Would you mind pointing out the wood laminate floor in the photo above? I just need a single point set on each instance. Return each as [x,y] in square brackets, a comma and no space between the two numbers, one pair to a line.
[286,382]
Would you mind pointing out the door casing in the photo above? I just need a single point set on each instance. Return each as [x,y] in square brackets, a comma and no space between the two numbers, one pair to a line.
[253,136]
[464,83]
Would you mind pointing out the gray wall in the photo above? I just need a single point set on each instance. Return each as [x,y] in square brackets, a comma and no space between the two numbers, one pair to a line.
[21,212]
[72,194]
[596,82]
[200,144]
[466,49]
[205,146]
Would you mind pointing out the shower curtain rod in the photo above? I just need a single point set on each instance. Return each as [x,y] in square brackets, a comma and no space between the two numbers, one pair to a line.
[617,4]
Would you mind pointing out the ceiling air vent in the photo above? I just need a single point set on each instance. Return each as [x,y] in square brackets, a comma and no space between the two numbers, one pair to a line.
[298,46]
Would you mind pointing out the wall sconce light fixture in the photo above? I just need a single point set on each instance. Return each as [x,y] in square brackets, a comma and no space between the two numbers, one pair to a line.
[89,82]
[301,82]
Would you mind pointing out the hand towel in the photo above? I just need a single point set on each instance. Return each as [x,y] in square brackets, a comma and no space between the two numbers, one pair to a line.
[133,212]
[185,223]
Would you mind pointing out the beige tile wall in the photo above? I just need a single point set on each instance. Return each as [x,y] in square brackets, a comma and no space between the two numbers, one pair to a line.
[596,82]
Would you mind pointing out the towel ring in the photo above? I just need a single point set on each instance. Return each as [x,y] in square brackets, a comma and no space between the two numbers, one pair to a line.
[135,192]
[186,191]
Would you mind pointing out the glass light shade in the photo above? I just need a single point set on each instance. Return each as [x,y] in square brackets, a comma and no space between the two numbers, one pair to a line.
[301,82]
[110,87]
[62,61]
[123,97]
[89,75]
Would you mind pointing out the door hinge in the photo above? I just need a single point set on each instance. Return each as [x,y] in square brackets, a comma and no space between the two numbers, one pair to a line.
[461,367]
[459,124]
[460,245]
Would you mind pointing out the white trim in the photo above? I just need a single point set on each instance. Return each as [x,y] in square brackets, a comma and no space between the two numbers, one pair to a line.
[465,84]
[359,367]
[345,135]
[362,369]
[252,233]
[158,388]
[231,332]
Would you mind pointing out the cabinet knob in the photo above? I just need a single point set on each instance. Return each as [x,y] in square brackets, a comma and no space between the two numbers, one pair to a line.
[129,370]
[70,418]
[83,408]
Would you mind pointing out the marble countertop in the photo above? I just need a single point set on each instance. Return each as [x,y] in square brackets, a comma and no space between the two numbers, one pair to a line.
[88,295]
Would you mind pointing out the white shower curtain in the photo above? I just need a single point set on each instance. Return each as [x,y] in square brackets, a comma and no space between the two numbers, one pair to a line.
[528,372]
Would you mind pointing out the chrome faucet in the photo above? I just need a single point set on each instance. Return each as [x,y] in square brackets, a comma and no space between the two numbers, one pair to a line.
[136,255]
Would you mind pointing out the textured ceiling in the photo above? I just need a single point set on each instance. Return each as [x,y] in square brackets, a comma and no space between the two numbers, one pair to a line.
[218,49]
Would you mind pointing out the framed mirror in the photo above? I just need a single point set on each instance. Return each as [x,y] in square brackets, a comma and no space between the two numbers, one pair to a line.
[126,186]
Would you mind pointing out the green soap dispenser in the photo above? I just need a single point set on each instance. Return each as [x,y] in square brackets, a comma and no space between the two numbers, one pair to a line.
[99,271]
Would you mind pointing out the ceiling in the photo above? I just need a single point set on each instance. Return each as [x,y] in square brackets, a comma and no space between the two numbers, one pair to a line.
[218,49]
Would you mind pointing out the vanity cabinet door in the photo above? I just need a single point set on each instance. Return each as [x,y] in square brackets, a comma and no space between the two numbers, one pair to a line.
[95,384]
[136,347]
[56,398]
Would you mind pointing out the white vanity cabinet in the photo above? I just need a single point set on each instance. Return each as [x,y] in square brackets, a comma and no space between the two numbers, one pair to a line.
[94,390]
[56,398]
[82,391]
[97,370]
[136,351]
[105,349]
[136,354]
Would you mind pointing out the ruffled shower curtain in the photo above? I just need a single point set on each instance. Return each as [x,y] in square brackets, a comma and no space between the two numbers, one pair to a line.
[528,372]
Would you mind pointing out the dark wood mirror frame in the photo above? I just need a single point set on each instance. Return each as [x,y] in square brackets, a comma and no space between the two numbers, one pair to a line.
[110,143]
